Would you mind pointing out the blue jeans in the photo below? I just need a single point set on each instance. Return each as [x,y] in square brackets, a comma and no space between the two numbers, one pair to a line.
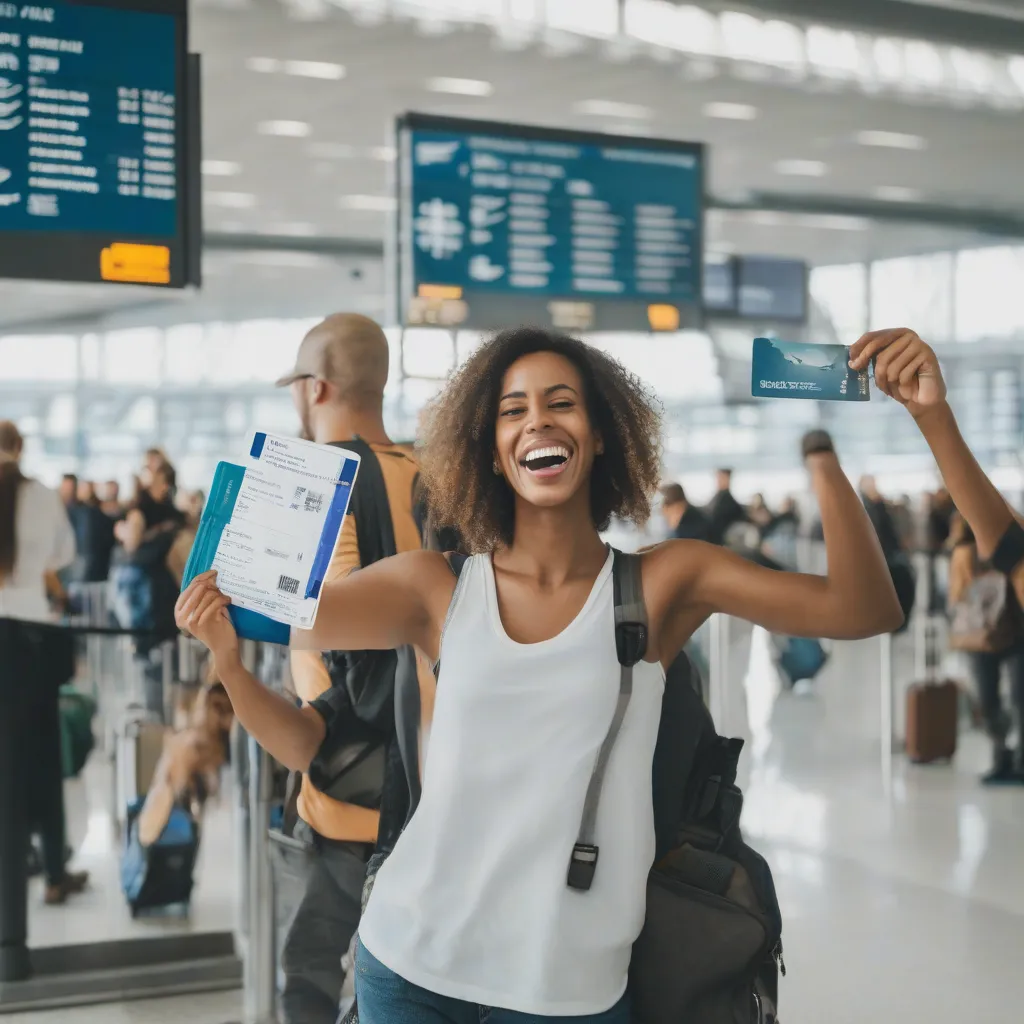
[385,998]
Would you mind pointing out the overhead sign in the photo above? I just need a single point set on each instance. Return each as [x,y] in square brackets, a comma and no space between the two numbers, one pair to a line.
[501,224]
[771,289]
[720,285]
[97,157]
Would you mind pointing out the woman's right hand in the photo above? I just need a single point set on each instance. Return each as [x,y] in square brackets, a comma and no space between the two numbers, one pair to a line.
[202,610]
[906,368]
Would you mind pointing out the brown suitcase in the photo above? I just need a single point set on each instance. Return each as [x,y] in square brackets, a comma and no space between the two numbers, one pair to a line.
[932,719]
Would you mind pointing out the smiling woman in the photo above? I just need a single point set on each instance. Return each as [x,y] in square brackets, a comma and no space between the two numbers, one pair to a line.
[473,483]
[532,446]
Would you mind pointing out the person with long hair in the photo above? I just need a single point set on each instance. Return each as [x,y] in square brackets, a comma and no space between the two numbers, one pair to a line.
[35,535]
[36,541]
[533,446]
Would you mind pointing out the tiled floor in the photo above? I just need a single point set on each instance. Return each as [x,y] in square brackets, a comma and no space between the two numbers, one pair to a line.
[101,914]
[899,907]
[215,1008]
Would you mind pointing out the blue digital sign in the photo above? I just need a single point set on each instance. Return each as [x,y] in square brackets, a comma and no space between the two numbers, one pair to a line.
[92,139]
[720,285]
[88,110]
[770,288]
[506,220]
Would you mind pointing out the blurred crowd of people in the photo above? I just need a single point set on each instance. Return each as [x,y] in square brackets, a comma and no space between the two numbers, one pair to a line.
[754,530]
[105,524]
[902,528]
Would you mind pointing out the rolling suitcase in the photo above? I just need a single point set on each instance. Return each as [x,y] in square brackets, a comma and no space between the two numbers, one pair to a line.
[137,748]
[933,711]
[933,707]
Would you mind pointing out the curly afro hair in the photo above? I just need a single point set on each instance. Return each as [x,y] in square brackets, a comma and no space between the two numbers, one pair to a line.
[457,448]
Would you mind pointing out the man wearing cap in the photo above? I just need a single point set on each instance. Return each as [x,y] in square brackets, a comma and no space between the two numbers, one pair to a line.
[337,387]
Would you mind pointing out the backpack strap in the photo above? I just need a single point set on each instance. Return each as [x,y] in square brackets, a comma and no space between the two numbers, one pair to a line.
[407,722]
[375,531]
[456,562]
[1009,551]
[630,648]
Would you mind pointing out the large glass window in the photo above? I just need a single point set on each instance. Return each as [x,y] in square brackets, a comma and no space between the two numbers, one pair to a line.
[914,291]
[988,301]
[841,293]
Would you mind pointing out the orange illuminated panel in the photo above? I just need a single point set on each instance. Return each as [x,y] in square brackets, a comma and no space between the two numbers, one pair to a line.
[663,317]
[136,264]
[439,291]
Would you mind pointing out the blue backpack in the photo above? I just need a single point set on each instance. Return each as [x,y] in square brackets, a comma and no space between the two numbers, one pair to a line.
[160,875]
[801,658]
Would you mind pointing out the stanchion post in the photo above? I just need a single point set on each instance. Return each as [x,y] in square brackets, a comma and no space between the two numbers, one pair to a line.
[241,768]
[259,977]
[167,652]
[885,709]
[14,831]
[718,669]
[256,893]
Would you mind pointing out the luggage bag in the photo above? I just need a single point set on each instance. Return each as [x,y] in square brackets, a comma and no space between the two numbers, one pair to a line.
[933,707]
[160,875]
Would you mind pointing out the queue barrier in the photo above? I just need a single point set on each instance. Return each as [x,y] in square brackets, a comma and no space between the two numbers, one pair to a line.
[112,666]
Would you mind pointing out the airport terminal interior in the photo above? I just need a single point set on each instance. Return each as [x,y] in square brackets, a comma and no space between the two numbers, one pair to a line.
[189,187]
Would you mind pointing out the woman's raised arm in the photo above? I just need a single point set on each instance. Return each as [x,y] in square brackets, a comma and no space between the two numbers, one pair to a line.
[856,599]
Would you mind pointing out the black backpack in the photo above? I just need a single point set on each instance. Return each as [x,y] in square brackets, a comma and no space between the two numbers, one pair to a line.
[363,760]
[711,948]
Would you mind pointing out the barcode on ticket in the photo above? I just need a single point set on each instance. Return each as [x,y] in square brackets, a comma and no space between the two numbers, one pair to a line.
[314,501]
[288,585]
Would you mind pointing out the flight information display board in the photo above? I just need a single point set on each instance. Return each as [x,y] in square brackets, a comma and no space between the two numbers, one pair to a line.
[769,288]
[720,285]
[96,159]
[502,224]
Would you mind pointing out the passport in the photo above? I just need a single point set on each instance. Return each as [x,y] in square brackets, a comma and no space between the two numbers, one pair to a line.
[793,369]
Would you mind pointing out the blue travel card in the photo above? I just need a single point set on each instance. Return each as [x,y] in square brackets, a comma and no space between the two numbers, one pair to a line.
[793,369]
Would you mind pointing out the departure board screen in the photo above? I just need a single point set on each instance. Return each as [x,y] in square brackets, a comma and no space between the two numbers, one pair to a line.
[720,284]
[93,169]
[501,224]
[771,288]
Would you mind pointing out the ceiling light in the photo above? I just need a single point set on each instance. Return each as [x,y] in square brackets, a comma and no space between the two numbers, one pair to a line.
[314,69]
[612,108]
[230,200]
[896,194]
[891,140]
[294,229]
[802,168]
[730,111]
[289,129]
[461,86]
[767,218]
[627,128]
[332,150]
[221,168]
[377,204]
[385,153]
[264,65]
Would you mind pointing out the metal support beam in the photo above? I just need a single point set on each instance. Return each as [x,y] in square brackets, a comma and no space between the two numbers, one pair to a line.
[1000,223]
[988,29]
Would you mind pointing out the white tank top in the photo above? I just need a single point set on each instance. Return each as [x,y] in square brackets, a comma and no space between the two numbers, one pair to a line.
[473,902]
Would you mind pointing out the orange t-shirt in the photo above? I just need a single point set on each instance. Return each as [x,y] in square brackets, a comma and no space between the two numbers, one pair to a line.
[331,818]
